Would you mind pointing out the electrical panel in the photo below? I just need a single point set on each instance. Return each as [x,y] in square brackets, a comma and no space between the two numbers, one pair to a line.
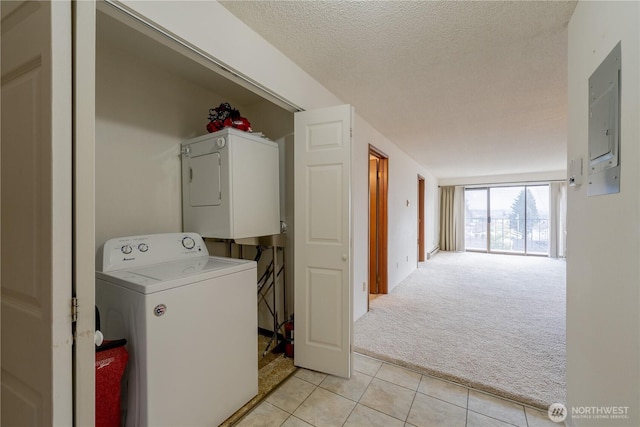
[604,126]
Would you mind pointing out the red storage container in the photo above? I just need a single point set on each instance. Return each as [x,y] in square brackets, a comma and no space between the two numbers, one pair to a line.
[111,360]
[288,346]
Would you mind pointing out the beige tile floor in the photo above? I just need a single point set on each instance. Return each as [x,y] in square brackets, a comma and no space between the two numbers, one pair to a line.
[385,395]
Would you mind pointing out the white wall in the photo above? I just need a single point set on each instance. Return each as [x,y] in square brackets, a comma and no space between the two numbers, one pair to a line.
[200,23]
[142,115]
[603,239]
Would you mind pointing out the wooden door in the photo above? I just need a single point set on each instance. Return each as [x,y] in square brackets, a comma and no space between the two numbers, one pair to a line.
[378,196]
[421,255]
[373,225]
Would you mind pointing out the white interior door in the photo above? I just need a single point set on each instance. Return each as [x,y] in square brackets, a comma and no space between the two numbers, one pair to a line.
[36,214]
[322,240]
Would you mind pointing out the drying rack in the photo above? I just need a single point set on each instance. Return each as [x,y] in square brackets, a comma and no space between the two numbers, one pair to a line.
[269,279]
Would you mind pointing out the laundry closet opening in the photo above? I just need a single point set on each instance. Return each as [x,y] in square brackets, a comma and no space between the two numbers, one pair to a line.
[152,94]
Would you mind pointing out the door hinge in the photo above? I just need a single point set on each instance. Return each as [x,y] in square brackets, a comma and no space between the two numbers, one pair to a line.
[74,310]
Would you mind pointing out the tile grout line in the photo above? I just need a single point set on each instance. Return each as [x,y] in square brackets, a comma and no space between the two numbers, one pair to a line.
[374,409]
[446,401]
[380,412]
[494,418]
[304,400]
[412,402]
[282,409]
[391,382]
[351,412]
[466,414]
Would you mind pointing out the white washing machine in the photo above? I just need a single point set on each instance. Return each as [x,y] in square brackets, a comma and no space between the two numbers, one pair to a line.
[190,321]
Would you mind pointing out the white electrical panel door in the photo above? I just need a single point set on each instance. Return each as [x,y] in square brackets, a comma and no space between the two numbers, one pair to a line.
[604,126]
[204,180]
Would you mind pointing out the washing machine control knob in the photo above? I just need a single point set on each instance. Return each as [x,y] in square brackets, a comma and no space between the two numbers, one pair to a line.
[188,243]
[126,249]
[143,247]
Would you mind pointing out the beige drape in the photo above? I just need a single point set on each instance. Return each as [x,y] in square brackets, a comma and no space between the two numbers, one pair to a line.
[451,218]
[557,219]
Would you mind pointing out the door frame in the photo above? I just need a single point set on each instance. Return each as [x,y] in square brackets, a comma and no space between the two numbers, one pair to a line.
[83,175]
[381,226]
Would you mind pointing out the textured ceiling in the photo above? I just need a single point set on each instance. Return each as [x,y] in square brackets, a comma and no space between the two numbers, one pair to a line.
[465,88]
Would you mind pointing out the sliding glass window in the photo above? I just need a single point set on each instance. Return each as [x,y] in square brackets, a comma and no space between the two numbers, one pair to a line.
[516,219]
[538,220]
[475,219]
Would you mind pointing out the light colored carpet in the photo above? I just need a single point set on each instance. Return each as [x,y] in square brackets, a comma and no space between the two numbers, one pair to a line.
[491,322]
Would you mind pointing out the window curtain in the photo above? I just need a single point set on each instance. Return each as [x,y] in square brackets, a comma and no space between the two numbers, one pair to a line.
[557,219]
[451,218]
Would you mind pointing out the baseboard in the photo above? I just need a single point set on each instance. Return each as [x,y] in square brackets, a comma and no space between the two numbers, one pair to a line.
[433,252]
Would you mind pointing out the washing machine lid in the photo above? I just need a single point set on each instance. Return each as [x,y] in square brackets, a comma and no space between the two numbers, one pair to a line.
[168,275]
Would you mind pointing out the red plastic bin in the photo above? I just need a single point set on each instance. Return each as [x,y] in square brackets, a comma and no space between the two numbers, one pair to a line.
[111,361]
